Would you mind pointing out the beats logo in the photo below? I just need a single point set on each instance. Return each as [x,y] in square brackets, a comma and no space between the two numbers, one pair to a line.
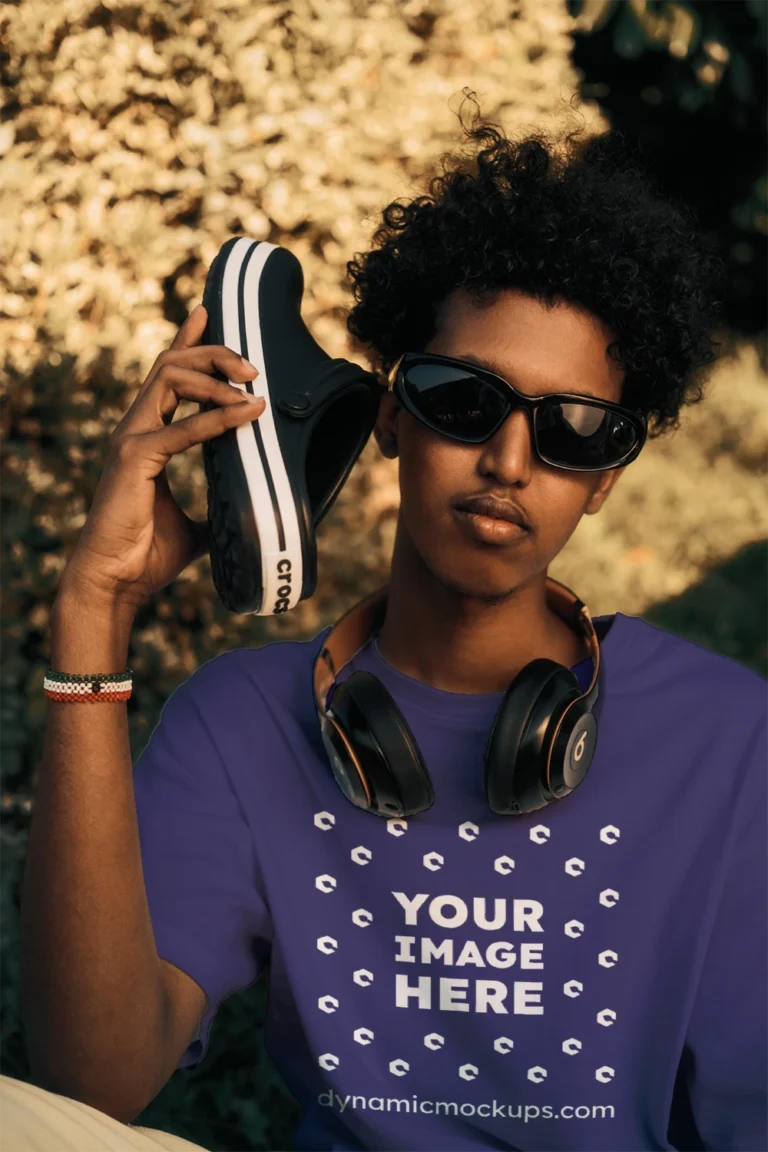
[284,591]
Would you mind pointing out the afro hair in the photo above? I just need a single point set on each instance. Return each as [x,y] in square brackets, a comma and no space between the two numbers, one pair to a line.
[584,223]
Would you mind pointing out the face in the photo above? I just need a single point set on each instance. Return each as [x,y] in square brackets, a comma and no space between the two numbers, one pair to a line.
[539,350]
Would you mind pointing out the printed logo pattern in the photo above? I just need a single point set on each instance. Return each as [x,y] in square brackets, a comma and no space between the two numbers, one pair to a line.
[420,912]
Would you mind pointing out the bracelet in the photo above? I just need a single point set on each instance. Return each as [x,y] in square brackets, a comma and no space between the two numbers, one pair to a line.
[71,688]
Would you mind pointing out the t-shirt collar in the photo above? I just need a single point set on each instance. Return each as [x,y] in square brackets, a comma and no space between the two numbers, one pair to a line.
[464,710]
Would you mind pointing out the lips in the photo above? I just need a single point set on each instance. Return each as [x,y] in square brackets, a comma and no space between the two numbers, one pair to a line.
[496,509]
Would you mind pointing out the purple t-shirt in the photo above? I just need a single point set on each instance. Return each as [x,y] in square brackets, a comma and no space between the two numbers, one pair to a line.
[590,976]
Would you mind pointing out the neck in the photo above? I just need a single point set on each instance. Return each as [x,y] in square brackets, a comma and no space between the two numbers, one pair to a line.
[456,643]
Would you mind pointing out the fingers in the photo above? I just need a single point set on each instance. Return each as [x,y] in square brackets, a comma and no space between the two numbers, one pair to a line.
[188,335]
[192,329]
[186,375]
[165,442]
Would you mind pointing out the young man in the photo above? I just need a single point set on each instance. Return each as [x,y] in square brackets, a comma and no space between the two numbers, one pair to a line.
[589,973]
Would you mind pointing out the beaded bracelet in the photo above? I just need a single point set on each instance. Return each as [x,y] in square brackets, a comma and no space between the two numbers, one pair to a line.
[71,688]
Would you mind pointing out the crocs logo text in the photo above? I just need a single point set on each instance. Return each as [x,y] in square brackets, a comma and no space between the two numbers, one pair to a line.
[284,591]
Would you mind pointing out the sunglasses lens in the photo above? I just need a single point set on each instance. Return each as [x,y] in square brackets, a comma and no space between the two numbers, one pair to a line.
[454,401]
[584,435]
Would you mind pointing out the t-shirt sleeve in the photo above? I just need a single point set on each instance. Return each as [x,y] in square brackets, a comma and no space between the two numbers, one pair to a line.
[207,905]
[726,1057]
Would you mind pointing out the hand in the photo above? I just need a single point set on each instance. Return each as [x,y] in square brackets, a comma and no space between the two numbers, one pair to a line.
[136,539]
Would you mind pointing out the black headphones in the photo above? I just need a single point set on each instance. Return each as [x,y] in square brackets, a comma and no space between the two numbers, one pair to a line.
[539,748]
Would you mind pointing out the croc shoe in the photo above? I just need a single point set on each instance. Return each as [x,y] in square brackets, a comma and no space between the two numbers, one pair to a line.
[271,481]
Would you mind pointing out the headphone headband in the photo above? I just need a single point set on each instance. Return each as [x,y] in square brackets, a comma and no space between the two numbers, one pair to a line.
[356,627]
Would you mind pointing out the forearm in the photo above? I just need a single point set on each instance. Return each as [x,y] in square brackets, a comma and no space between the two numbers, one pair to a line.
[91,989]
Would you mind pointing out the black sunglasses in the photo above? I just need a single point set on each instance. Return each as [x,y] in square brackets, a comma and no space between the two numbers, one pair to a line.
[469,404]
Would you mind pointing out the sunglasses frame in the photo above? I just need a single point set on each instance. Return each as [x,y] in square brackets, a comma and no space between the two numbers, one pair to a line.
[395,380]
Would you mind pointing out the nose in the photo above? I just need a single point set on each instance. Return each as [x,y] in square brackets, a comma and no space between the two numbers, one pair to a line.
[508,455]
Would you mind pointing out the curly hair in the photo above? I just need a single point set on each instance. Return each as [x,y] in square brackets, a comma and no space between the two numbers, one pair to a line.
[584,224]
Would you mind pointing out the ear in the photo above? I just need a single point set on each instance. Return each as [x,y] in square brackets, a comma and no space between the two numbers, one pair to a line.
[600,494]
[385,429]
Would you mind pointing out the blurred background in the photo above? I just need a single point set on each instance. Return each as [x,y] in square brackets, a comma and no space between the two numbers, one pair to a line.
[135,138]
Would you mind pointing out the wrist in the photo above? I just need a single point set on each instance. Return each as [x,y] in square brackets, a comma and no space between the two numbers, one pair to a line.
[77,596]
[89,635]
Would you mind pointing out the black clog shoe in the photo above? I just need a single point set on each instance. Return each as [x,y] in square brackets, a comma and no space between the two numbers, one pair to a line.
[271,481]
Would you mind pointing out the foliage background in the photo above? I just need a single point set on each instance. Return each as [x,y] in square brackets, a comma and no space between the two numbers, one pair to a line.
[135,138]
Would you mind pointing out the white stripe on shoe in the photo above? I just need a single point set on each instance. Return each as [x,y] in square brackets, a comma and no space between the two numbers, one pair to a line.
[269,487]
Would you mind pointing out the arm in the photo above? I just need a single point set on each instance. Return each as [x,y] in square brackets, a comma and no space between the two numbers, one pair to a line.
[105,1019]
[186,899]
[92,994]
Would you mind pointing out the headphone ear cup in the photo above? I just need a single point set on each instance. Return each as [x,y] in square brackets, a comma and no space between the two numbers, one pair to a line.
[516,751]
[384,745]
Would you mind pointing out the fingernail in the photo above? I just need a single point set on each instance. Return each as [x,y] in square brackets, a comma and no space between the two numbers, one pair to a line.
[250,396]
[248,364]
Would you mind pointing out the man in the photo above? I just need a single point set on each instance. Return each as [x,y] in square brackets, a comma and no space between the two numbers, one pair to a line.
[588,973]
